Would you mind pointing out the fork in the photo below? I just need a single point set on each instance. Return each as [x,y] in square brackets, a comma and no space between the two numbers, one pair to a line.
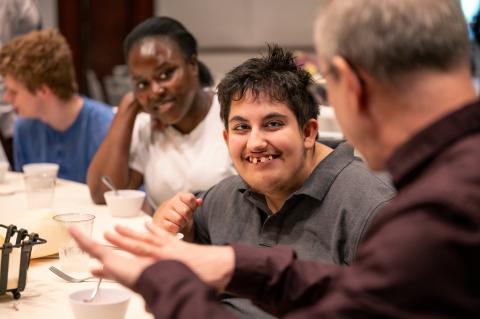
[67,277]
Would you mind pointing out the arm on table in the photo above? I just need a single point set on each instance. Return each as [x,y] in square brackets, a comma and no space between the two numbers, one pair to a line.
[112,156]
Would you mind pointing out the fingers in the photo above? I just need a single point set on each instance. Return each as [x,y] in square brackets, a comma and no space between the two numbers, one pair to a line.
[178,216]
[143,245]
[156,236]
[127,100]
[133,234]
[159,233]
[89,246]
[100,272]
[174,214]
[190,201]
[125,269]
[169,226]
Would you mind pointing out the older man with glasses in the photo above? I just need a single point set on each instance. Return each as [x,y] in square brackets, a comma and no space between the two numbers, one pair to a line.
[415,113]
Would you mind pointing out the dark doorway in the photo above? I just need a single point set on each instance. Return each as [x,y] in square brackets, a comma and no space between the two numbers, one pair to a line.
[95,30]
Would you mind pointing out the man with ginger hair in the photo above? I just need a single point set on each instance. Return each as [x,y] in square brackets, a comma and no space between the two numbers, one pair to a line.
[56,124]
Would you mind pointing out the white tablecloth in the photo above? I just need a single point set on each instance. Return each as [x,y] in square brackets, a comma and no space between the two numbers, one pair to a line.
[46,295]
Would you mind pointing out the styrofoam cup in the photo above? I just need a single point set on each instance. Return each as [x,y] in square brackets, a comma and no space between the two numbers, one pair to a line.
[127,203]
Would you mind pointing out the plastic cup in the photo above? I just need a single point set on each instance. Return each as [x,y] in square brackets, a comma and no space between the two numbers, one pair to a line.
[72,258]
[39,189]
[41,168]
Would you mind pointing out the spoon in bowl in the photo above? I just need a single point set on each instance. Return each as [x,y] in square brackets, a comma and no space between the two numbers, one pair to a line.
[108,182]
[94,292]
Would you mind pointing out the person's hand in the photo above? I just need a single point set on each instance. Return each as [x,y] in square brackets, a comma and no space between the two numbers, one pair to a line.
[213,264]
[176,214]
[129,101]
[120,267]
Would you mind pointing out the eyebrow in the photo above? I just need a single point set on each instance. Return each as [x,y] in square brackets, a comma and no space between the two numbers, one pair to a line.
[158,68]
[238,118]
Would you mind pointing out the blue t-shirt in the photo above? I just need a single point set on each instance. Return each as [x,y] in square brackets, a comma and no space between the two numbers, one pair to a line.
[73,149]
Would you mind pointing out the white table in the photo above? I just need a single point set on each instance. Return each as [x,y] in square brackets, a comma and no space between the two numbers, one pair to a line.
[46,295]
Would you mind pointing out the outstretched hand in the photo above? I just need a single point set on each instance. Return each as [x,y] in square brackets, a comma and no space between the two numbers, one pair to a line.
[120,267]
[213,264]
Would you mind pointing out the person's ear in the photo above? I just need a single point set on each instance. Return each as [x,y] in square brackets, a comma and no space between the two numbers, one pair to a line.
[44,91]
[225,137]
[310,131]
[351,82]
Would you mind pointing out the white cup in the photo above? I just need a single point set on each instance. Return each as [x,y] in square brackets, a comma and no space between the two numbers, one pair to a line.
[39,189]
[72,258]
[41,168]
[3,170]
[127,203]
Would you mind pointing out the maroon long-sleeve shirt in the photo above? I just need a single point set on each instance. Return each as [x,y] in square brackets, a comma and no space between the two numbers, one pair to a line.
[419,259]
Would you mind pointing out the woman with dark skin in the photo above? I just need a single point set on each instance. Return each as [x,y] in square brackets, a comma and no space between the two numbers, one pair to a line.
[171,150]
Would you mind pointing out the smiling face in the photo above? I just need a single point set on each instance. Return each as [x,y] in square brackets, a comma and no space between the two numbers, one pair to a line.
[266,145]
[165,81]
[25,103]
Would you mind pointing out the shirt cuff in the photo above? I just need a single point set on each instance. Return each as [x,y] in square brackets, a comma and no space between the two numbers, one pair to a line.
[255,268]
[157,279]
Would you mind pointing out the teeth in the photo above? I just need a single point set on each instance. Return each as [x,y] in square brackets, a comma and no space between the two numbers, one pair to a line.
[263,159]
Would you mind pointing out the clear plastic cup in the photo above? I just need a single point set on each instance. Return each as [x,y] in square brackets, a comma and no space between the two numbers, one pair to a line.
[72,258]
[40,189]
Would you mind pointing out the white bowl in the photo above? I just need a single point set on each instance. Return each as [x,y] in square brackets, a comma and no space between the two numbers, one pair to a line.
[109,303]
[3,170]
[41,168]
[127,203]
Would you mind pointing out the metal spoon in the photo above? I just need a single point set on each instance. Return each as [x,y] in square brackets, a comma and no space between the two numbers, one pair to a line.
[107,181]
[94,292]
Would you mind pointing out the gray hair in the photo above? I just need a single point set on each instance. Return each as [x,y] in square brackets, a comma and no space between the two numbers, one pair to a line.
[392,38]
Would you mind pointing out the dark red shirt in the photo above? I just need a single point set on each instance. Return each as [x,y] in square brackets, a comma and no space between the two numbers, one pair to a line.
[419,259]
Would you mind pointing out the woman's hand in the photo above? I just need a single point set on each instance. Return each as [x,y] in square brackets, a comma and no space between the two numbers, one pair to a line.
[129,101]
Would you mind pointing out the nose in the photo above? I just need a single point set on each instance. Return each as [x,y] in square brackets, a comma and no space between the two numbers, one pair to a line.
[157,87]
[257,141]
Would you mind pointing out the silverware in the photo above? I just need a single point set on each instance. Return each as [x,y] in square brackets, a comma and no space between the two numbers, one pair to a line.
[108,182]
[94,292]
[67,277]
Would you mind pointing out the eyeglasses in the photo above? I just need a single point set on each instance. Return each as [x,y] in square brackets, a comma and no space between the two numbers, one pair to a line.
[319,91]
